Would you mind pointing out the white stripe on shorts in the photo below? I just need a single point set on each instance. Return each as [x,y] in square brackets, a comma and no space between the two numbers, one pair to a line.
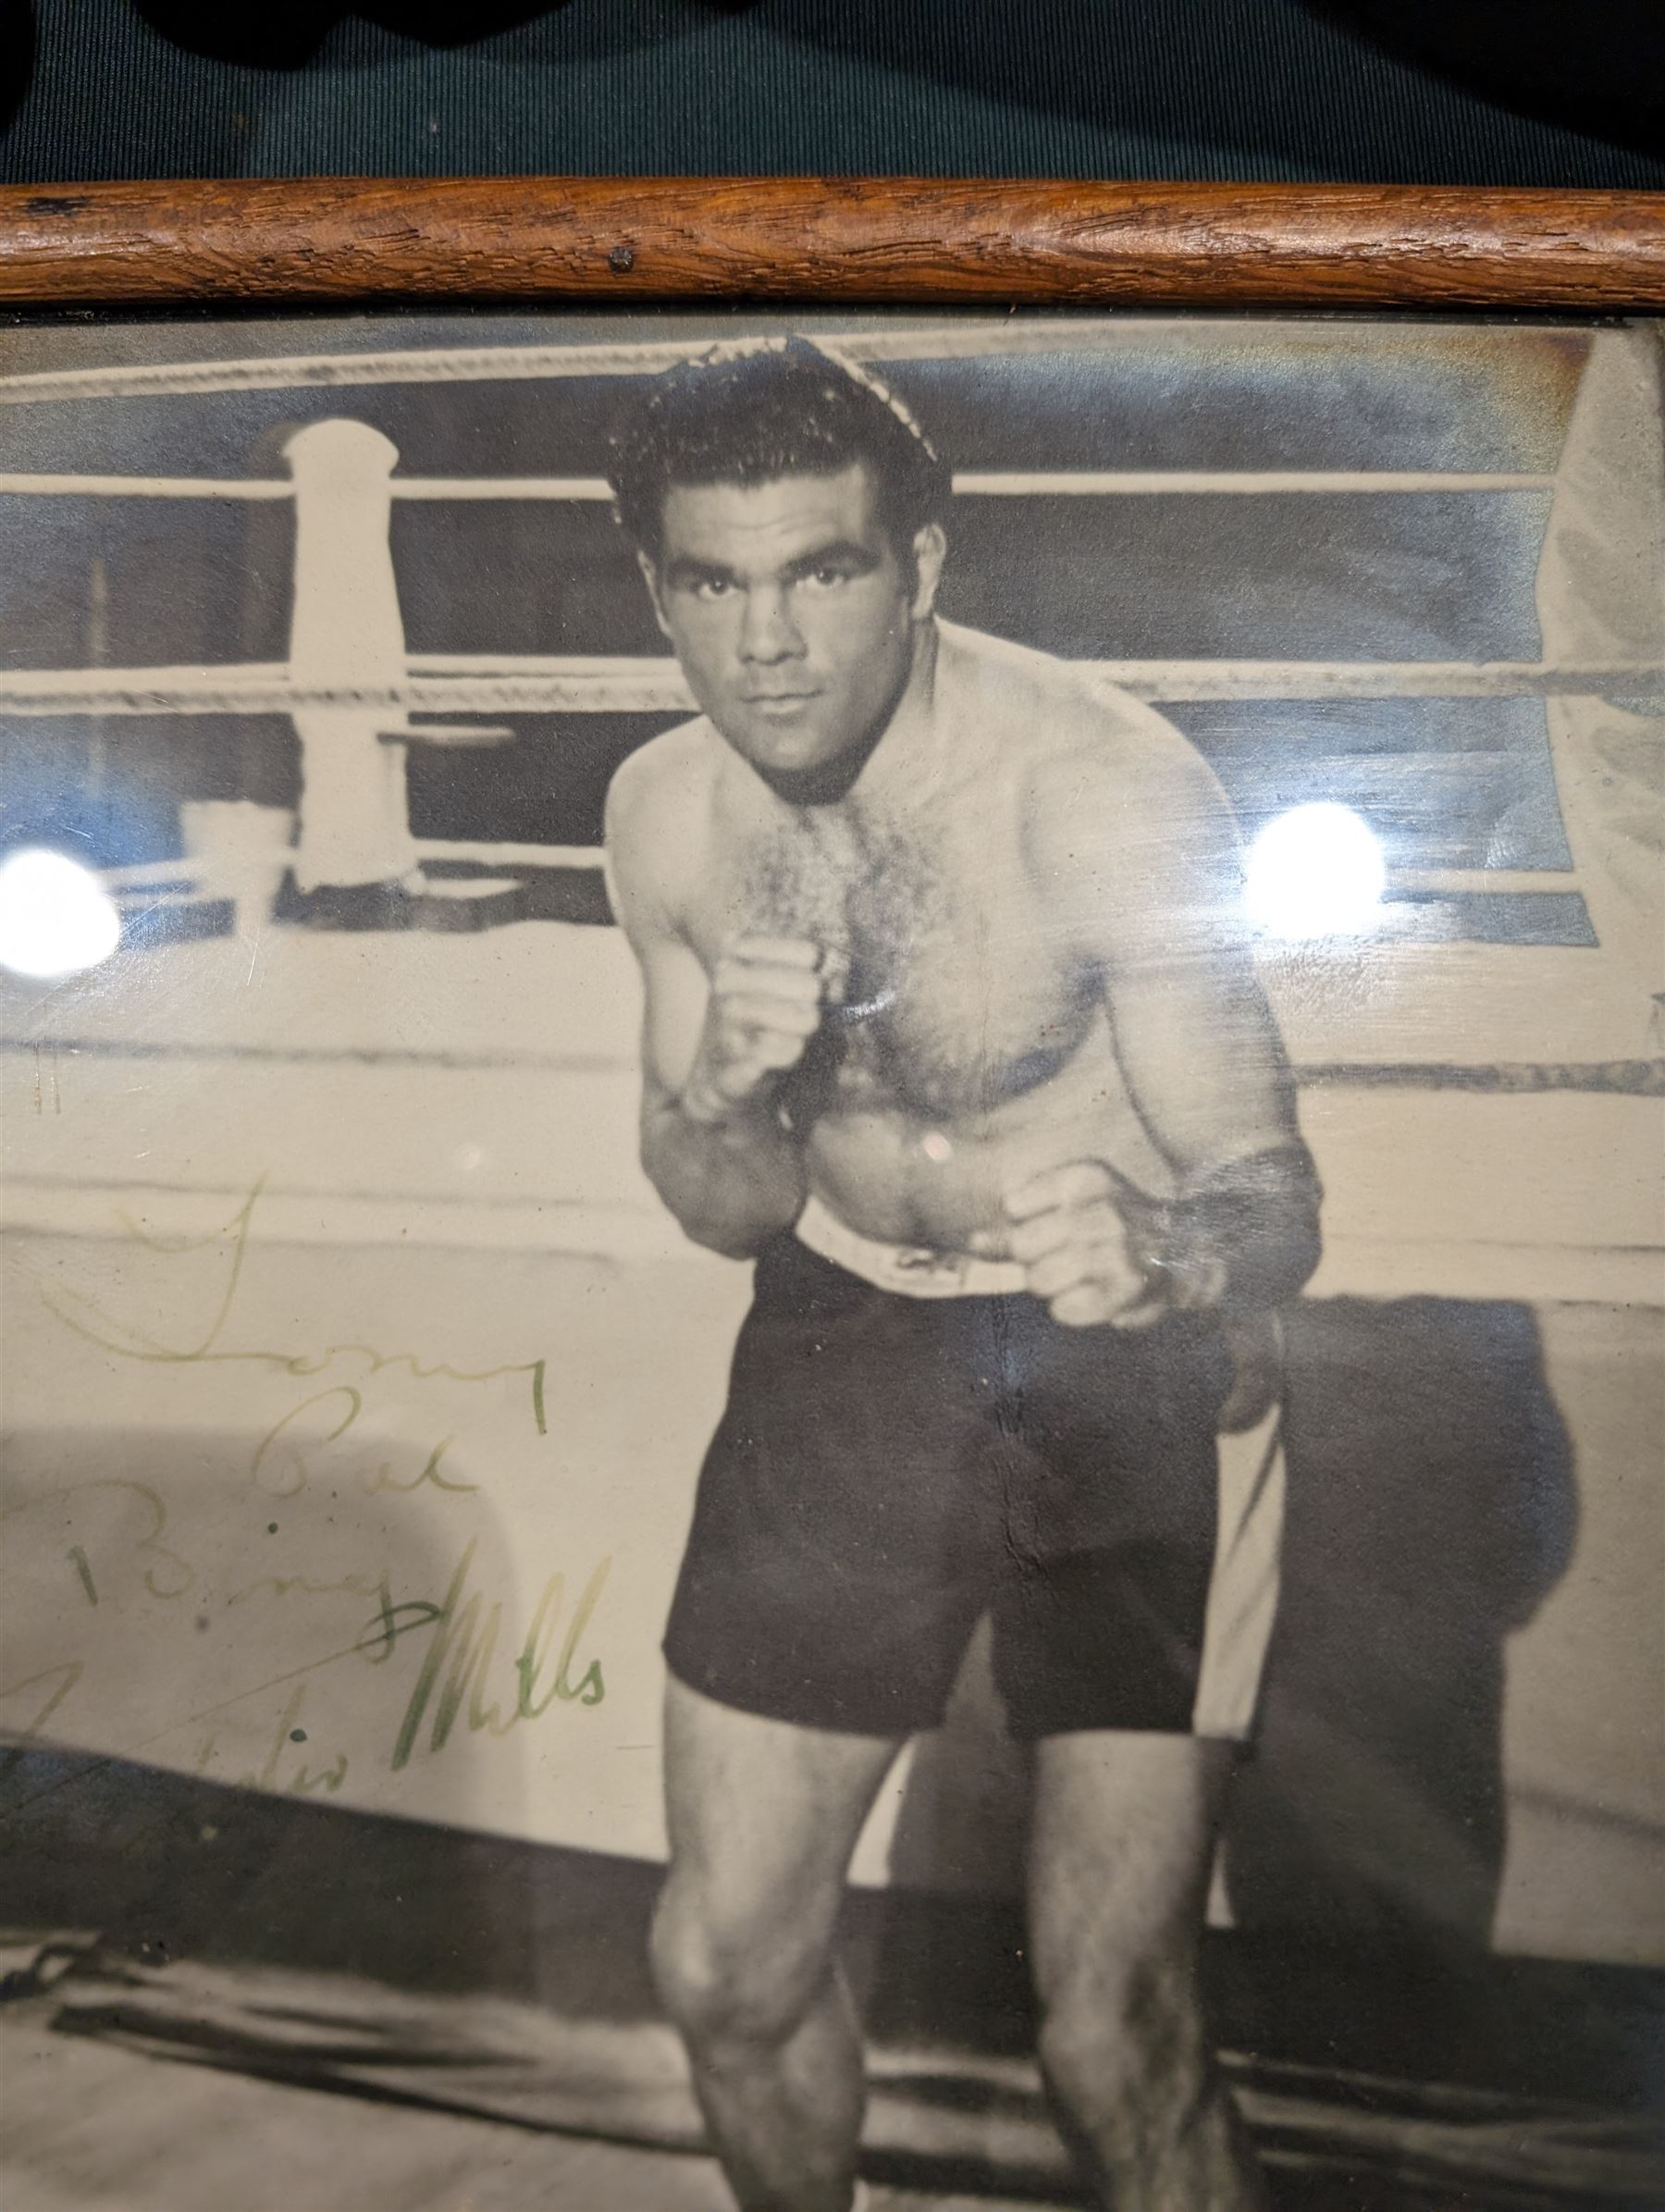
[1242,1592]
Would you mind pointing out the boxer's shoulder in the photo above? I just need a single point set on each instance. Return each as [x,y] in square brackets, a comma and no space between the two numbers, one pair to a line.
[1060,715]
[678,760]
[658,803]
[1119,815]
[1107,773]
[1125,762]
[1004,687]
[672,775]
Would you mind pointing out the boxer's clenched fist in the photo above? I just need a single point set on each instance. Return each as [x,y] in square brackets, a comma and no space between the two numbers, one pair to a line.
[1073,1228]
[768,995]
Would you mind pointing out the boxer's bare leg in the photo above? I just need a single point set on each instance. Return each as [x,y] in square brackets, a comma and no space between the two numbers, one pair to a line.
[764,1817]
[1121,1850]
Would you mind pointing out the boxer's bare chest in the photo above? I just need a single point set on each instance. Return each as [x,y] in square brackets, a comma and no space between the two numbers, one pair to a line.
[958,999]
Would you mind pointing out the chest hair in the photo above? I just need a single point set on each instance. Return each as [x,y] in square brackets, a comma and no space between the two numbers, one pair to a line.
[934,1020]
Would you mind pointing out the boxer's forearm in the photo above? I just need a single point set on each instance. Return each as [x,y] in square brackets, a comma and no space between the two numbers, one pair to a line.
[733,1179]
[1243,1236]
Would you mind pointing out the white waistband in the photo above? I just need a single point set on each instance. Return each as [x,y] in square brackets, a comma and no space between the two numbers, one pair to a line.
[914,1270]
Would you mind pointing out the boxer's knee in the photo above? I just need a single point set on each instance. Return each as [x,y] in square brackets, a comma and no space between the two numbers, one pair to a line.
[727,1977]
[1124,2046]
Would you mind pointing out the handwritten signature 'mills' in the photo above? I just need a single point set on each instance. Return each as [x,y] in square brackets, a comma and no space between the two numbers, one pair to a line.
[454,1680]
[457,1663]
[460,1679]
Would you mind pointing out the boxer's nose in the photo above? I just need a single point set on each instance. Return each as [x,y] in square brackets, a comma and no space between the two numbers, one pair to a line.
[767,630]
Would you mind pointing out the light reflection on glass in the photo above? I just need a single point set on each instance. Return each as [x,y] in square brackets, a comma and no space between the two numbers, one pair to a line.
[55,916]
[1316,871]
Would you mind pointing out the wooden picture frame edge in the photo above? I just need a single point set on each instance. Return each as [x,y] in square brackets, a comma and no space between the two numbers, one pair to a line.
[858,240]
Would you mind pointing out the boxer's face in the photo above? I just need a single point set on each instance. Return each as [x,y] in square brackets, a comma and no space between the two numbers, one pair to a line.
[792,611]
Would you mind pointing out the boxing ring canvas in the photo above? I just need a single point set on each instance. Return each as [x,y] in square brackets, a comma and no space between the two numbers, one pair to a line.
[356,1378]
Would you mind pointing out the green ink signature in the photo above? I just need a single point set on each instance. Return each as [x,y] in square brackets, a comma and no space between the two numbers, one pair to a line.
[453,1681]
[66,1676]
[303,1781]
[290,1474]
[284,1585]
[454,1684]
[128,1341]
[457,1664]
[177,1573]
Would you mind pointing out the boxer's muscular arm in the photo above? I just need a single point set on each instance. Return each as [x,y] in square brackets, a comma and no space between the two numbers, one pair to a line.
[1145,860]
[1139,851]
[727,1169]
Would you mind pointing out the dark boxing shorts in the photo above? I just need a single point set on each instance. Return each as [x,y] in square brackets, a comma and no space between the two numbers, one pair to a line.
[889,1468]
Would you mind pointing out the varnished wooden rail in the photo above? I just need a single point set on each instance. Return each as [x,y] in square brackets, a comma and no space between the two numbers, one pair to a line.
[849,240]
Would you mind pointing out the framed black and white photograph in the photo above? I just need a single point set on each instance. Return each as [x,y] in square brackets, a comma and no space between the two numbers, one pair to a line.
[832,1255]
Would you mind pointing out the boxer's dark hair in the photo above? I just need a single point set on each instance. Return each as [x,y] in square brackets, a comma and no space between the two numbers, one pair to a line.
[752,412]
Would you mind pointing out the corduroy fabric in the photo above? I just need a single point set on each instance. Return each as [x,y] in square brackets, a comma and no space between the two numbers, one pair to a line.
[1182,88]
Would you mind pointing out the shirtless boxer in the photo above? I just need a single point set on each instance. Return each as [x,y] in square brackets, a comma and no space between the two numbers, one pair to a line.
[949,1023]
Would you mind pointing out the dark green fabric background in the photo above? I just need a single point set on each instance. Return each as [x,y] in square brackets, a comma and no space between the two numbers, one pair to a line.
[1533,93]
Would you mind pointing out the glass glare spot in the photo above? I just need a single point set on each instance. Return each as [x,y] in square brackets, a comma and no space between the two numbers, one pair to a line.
[1316,871]
[55,916]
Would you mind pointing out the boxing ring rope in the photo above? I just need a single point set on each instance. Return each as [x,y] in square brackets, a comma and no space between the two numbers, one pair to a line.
[968,483]
[527,684]
[556,683]
[958,340]
[352,687]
